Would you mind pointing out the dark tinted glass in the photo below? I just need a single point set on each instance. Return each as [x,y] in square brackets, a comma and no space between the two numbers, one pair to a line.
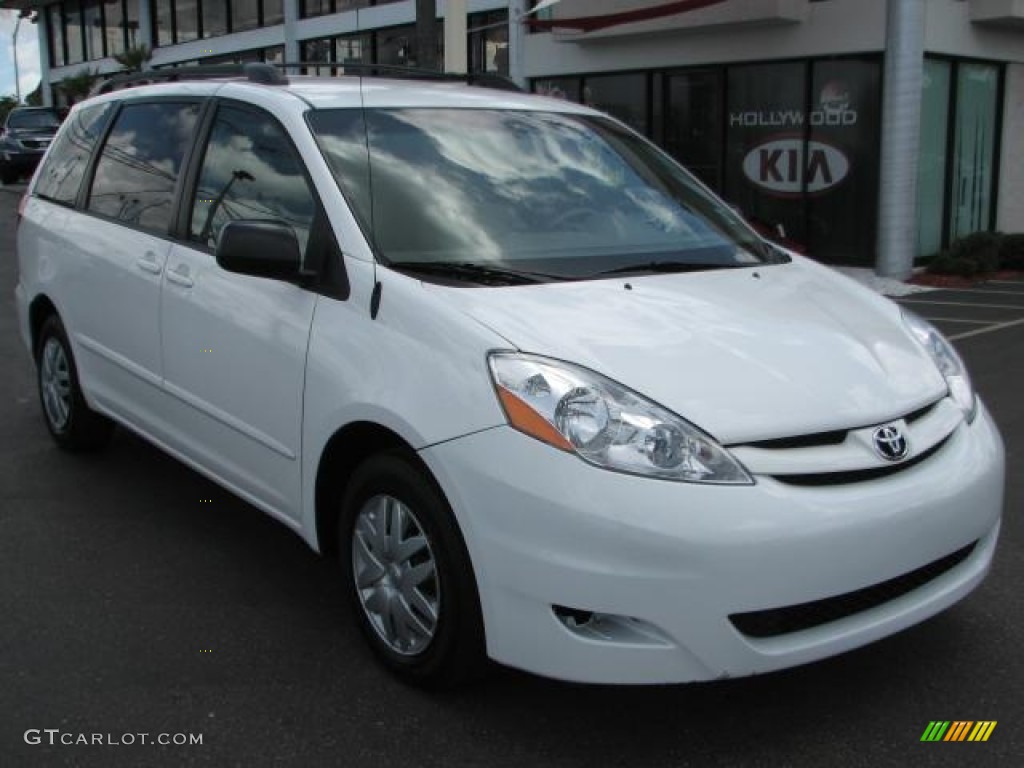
[56,27]
[555,192]
[215,17]
[186,17]
[93,23]
[138,169]
[113,11]
[61,176]
[273,12]
[250,171]
[42,119]
[245,14]
[162,21]
[73,19]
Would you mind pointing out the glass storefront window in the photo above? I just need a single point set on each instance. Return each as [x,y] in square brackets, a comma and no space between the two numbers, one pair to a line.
[567,88]
[113,12]
[622,96]
[245,14]
[318,50]
[73,33]
[163,20]
[92,23]
[311,8]
[974,140]
[273,12]
[841,173]
[186,18]
[215,17]
[693,123]
[55,23]
[131,23]
[396,46]
[354,48]
[931,160]
[764,120]
[488,45]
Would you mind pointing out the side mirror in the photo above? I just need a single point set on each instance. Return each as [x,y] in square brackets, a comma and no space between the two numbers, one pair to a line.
[261,249]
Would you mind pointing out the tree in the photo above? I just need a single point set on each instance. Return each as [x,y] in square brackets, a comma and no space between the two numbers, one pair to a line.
[77,86]
[134,59]
[7,103]
[35,99]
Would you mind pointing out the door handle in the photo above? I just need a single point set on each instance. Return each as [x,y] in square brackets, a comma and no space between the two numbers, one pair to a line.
[148,262]
[180,276]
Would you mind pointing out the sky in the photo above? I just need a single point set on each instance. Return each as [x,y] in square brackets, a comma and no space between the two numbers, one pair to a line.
[28,55]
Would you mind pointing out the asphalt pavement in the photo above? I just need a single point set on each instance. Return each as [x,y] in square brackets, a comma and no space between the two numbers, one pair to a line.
[136,597]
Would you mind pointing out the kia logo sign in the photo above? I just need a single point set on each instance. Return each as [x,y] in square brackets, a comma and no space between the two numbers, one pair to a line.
[780,166]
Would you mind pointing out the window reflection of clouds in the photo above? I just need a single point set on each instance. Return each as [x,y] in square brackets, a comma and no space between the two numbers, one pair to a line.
[138,169]
[487,184]
[250,171]
[60,178]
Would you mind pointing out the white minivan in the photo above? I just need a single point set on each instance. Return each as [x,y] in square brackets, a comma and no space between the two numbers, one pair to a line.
[545,397]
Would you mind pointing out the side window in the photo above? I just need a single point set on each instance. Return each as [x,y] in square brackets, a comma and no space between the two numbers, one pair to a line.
[250,171]
[62,174]
[138,169]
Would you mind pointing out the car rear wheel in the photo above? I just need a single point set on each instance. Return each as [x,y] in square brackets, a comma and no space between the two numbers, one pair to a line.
[408,574]
[72,423]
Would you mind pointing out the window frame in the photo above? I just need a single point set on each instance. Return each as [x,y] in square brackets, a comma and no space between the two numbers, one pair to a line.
[85,190]
[86,180]
[330,280]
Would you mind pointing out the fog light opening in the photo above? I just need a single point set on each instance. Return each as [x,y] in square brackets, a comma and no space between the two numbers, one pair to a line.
[610,628]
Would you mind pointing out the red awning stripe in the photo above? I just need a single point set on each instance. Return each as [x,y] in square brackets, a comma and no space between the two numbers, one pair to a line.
[591,23]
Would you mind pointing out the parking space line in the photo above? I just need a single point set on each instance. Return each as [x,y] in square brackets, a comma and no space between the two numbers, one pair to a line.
[979,331]
[956,320]
[1018,307]
[990,293]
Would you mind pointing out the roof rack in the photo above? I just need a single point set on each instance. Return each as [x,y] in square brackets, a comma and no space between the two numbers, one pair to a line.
[266,73]
[254,71]
[360,69]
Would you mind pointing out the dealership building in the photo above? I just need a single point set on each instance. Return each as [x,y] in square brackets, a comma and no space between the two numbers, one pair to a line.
[872,132]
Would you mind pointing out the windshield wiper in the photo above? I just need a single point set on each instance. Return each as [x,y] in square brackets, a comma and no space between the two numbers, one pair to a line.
[475,272]
[667,267]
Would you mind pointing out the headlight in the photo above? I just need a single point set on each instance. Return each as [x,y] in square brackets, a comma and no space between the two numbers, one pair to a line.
[582,412]
[946,360]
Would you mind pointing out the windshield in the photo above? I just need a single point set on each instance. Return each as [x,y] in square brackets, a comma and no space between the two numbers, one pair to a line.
[565,195]
[42,119]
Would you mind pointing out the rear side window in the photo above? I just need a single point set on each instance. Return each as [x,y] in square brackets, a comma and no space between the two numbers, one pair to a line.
[138,169]
[250,171]
[61,175]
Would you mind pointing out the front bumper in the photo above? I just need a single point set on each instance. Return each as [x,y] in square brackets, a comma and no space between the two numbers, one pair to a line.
[22,161]
[546,529]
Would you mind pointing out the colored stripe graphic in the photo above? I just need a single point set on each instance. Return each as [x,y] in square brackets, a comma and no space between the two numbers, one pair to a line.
[935,730]
[958,730]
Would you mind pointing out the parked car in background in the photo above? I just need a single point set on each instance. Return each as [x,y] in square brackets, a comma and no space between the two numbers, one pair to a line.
[26,135]
[546,398]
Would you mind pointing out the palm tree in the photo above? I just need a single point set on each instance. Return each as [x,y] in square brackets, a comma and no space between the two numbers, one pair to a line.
[77,86]
[134,59]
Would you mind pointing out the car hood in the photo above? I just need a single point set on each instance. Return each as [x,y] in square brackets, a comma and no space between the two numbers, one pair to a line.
[745,354]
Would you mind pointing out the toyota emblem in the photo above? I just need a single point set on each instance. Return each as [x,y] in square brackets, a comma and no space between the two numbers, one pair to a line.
[890,443]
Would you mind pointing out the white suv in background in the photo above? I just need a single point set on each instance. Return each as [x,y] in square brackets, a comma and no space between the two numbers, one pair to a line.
[545,397]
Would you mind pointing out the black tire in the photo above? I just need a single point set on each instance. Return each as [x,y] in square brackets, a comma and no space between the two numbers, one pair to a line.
[456,651]
[83,429]
[8,175]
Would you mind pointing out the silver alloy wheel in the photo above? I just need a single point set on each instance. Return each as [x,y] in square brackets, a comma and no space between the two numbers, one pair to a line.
[55,381]
[395,574]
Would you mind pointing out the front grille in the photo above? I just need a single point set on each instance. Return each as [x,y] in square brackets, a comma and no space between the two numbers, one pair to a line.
[33,144]
[794,618]
[858,475]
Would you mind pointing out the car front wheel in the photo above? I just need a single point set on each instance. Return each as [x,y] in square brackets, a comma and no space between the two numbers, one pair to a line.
[408,574]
